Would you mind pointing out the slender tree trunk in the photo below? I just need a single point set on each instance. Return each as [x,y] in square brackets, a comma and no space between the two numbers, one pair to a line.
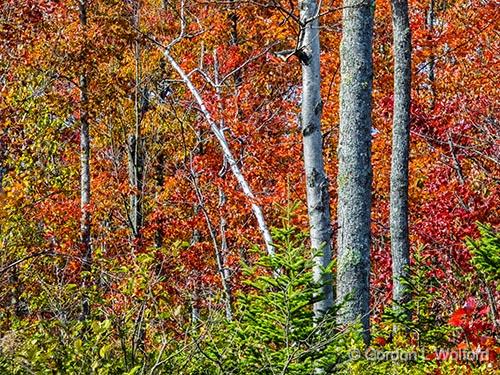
[400,242]
[21,309]
[225,274]
[195,302]
[195,297]
[85,175]
[221,253]
[233,17]
[135,142]
[432,58]
[135,172]
[160,180]
[318,196]
[354,165]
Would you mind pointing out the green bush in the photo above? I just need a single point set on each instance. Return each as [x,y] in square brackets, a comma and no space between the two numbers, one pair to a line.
[486,252]
[275,331]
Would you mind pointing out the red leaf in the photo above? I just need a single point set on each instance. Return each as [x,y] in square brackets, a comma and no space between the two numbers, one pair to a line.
[484,310]
[456,317]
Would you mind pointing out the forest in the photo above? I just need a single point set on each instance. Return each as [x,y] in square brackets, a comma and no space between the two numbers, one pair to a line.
[249,187]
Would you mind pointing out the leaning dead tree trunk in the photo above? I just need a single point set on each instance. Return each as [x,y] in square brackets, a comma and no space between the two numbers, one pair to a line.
[318,196]
[85,175]
[354,171]
[219,135]
[400,243]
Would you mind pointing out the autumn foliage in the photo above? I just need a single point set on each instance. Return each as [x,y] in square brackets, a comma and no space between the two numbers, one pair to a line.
[169,276]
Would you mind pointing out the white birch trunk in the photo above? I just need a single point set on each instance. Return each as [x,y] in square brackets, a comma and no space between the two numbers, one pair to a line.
[318,196]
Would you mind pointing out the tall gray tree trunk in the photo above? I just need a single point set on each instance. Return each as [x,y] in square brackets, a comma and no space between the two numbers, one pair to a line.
[85,175]
[400,243]
[354,165]
[318,196]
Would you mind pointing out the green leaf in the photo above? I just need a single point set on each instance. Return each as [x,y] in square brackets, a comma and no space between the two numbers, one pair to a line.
[78,344]
[134,371]
[104,350]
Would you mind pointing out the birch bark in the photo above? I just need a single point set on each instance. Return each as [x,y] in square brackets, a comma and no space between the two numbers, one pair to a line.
[318,196]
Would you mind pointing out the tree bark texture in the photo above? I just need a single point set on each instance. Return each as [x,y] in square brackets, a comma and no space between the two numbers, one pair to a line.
[400,243]
[318,196]
[354,164]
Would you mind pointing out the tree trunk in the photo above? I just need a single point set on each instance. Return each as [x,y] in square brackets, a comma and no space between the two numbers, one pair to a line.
[160,180]
[85,175]
[221,259]
[400,243]
[195,297]
[432,58]
[135,172]
[354,165]
[318,196]
[135,142]
[233,17]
